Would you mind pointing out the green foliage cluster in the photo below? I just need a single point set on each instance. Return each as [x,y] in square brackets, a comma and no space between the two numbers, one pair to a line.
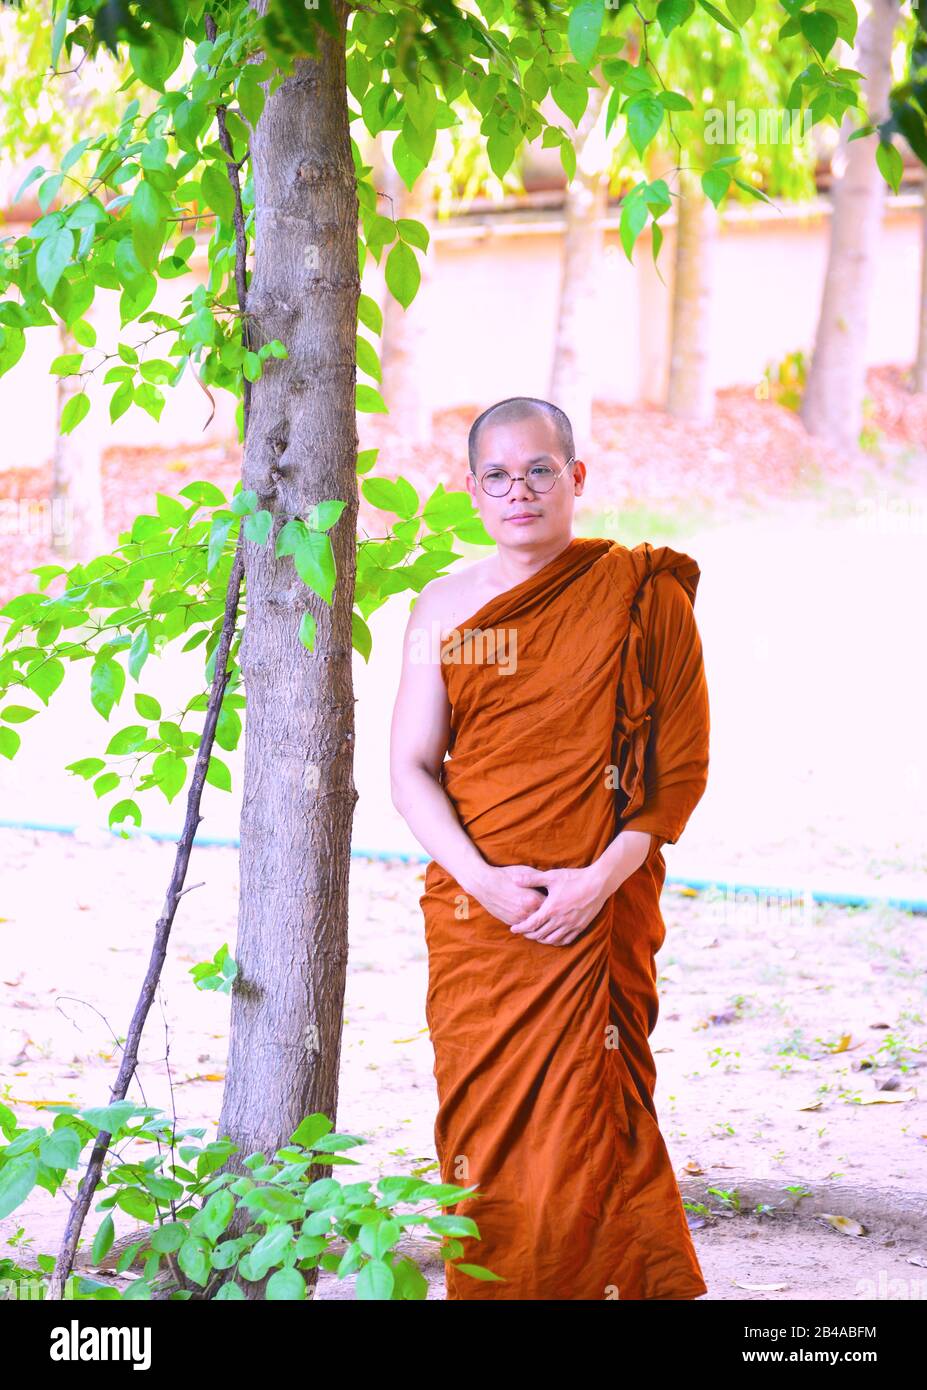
[287,1220]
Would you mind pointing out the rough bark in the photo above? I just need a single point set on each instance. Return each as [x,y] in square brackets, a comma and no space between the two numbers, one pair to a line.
[690,390]
[832,407]
[572,379]
[299,794]
[404,356]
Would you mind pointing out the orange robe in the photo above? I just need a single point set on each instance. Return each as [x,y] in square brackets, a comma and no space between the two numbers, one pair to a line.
[544,1074]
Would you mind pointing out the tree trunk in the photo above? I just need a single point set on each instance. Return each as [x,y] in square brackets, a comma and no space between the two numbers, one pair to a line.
[690,392]
[77,529]
[572,380]
[405,349]
[300,449]
[919,375]
[833,402]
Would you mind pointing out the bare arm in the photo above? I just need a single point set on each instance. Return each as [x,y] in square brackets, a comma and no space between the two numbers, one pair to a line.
[418,742]
[419,736]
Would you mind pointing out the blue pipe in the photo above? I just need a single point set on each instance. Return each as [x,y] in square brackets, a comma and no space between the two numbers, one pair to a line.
[818,895]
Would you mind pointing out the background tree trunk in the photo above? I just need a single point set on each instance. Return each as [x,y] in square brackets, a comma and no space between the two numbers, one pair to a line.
[832,407]
[77,527]
[919,374]
[690,391]
[585,203]
[301,448]
[404,354]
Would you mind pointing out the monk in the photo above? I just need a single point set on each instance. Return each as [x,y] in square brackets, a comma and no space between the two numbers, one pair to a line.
[564,677]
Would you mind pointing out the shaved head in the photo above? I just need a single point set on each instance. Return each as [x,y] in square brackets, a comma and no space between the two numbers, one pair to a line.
[516,408]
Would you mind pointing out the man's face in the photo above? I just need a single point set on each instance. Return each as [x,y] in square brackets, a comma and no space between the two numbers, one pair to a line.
[522,518]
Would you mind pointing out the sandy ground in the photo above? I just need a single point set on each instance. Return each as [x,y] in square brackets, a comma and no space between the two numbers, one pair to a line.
[789,1049]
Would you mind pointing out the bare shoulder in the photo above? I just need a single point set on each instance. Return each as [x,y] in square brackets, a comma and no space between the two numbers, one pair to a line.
[450,598]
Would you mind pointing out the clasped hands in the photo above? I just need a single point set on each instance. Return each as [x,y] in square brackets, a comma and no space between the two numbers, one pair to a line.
[513,894]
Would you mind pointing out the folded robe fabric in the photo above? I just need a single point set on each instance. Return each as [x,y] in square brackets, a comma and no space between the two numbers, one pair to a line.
[579,708]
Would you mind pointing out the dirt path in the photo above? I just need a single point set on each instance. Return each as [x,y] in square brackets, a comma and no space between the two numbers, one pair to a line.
[789,1048]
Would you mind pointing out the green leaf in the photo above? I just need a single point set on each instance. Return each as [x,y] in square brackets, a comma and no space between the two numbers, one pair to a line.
[169,1237]
[715,183]
[230,1290]
[286,1283]
[84,333]
[66,365]
[54,254]
[125,810]
[257,526]
[571,97]
[194,1261]
[645,116]
[86,767]
[584,29]
[632,223]
[244,502]
[148,215]
[17,714]
[150,399]
[369,401]
[17,1179]
[217,191]
[128,740]
[315,564]
[477,1271]
[310,1129]
[403,275]
[61,1148]
[367,359]
[217,537]
[820,29]
[741,10]
[110,1118]
[74,411]
[148,707]
[215,1216]
[397,496]
[323,515]
[218,774]
[412,231]
[138,652]
[307,628]
[369,313]
[844,12]
[107,783]
[361,636]
[890,163]
[103,1240]
[107,681]
[203,493]
[375,1280]
[672,13]
[30,179]
[718,16]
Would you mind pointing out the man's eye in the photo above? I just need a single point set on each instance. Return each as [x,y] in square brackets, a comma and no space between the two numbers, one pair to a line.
[496,474]
[540,472]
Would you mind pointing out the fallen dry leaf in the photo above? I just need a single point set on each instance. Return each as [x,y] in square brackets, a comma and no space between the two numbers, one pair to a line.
[844,1224]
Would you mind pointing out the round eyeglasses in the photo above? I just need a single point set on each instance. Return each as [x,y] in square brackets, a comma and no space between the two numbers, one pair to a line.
[539,477]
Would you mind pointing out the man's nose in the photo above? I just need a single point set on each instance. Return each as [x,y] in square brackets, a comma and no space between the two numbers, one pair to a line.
[520,489]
